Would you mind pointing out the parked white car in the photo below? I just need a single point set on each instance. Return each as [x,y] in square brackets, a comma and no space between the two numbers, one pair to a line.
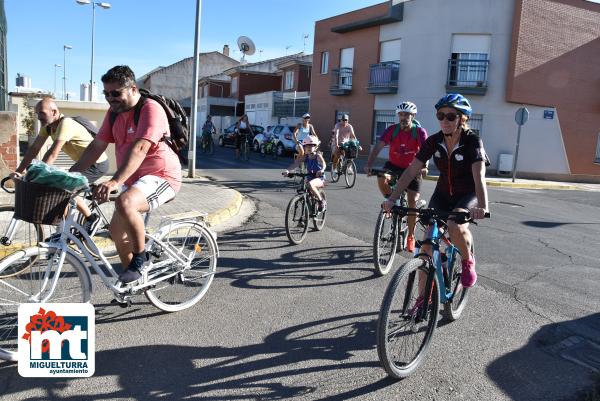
[284,137]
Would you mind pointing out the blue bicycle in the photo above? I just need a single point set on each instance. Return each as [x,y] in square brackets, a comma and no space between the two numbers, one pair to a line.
[409,312]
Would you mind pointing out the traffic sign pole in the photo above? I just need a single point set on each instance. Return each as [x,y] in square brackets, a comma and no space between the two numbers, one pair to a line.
[521,117]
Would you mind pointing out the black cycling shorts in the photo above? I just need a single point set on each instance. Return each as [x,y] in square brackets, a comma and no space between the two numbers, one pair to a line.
[445,202]
[415,184]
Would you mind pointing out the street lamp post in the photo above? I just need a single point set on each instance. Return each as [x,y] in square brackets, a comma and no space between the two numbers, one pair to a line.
[65,48]
[105,6]
[55,67]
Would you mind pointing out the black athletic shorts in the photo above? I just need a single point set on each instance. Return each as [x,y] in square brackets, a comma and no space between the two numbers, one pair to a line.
[415,184]
[443,201]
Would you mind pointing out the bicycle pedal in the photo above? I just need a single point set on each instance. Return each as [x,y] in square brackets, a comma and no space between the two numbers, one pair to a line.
[122,304]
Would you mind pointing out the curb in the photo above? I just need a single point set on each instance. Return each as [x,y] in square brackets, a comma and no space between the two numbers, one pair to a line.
[226,213]
[492,183]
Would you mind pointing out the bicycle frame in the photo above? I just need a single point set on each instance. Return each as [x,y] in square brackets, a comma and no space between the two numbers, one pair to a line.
[66,235]
[435,234]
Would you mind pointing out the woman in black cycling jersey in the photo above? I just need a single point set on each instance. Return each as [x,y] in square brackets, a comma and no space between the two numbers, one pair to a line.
[242,128]
[460,157]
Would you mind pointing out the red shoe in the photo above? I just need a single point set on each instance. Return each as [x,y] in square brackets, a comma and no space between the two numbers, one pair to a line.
[468,277]
[410,243]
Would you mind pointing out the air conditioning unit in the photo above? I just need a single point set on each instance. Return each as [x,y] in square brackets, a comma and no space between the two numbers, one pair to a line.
[505,164]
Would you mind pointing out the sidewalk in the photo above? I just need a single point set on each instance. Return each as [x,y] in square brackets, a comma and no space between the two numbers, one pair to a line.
[495,181]
[196,195]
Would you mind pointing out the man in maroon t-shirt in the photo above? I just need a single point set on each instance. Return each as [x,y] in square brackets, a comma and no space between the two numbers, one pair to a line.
[148,171]
[404,140]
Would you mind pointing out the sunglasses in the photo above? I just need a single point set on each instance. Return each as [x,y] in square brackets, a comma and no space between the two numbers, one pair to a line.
[310,144]
[115,92]
[307,118]
[344,119]
[448,116]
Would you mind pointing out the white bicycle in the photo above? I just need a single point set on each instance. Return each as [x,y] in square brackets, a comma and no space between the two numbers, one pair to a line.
[182,263]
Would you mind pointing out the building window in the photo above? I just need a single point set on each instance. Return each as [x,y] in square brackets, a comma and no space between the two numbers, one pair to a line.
[469,69]
[234,85]
[289,80]
[389,51]
[468,64]
[324,62]
[476,123]
[383,119]
[597,159]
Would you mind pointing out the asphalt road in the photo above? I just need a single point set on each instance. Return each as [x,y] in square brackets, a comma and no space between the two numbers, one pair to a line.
[298,322]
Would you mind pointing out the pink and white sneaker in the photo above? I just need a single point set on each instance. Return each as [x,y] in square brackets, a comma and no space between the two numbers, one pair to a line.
[468,277]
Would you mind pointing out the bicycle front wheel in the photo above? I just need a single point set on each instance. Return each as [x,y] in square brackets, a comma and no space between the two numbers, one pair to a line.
[403,332]
[194,243]
[245,151]
[336,171]
[16,234]
[385,242]
[296,219]
[402,226]
[350,174]
[34,284]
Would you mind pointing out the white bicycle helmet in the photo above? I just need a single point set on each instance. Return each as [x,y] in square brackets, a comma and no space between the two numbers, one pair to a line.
[311,140]
[406,107]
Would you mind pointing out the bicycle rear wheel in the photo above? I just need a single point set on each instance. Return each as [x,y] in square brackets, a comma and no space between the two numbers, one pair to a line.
[296,219]
[28,285]
[350,173]
[455,307]
[403,336]
[320,216]
[385,242]
[194,242]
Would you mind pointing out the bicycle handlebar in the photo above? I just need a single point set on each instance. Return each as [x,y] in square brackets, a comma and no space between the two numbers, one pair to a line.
[380,172]
[431,213]
[9,190]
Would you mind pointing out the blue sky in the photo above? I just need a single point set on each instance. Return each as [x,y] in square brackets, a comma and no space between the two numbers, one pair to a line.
[150,33]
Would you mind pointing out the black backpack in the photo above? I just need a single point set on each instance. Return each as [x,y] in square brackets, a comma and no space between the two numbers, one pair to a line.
[87,124]
[178,121]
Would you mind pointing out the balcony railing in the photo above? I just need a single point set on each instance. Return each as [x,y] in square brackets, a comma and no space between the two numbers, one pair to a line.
[383,77]
[468,76]
[341,81]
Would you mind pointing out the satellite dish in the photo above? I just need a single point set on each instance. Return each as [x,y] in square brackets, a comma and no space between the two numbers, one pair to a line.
[246,46]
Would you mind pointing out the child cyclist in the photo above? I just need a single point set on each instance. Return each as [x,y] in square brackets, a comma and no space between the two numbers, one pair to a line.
[315,168]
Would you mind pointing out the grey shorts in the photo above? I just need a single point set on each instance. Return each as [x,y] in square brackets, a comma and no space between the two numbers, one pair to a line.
[96,171]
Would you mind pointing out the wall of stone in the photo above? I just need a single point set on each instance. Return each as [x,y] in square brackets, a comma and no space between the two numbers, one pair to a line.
[9,142]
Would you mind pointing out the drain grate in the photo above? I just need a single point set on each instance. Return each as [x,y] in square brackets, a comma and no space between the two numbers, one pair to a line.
[578,350]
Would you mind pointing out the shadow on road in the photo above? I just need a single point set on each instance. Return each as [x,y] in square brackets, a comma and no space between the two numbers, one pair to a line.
[294,362]
[317,267]
[544,368]
[552,224]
